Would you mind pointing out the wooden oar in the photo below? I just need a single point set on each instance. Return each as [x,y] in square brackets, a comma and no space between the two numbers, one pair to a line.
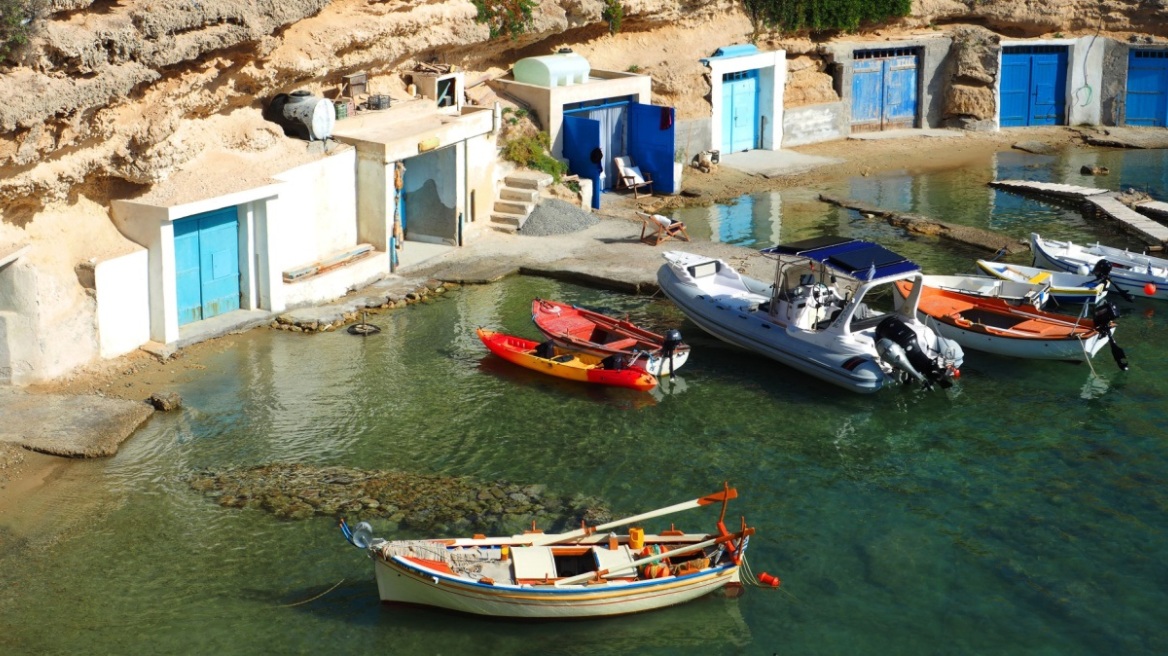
[726,494]
[633,564]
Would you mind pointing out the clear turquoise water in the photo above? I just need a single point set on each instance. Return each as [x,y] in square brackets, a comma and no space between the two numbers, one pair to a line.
[1022,512]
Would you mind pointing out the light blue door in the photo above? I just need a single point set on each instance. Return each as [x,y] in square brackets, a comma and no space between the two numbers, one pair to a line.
[1034,84]
[206,253]
[1147,88]
[884,89]
[739,111]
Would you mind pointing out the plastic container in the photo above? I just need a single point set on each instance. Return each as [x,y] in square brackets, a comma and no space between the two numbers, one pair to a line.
[636,538]
[559,70]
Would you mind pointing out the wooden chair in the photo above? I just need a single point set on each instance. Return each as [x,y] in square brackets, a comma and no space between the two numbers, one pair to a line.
[656,229]
[629,176]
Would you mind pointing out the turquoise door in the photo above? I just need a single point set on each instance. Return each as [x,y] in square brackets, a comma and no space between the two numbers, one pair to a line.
[206,258]
[739,111]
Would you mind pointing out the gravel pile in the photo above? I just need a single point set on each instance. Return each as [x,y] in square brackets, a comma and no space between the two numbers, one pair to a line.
[556,217]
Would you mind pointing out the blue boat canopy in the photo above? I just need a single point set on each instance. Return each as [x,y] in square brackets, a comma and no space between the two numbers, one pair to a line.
[857,258]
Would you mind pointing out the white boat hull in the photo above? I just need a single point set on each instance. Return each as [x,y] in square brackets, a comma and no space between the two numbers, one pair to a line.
[1069,350]
[400,582]
[1131,272]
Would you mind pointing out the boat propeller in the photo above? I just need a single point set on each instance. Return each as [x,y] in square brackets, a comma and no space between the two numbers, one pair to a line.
[1102,273]
[1105,313]
[670,344]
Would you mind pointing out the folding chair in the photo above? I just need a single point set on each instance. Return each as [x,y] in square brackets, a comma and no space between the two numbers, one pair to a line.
[656,228]
[631,177]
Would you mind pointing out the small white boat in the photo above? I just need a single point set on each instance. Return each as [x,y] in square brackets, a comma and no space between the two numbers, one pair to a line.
[1141,275]
[1034,294]
[819,316]
[1064,288]
[588,572]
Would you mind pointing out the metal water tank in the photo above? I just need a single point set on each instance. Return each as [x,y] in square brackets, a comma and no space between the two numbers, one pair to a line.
[304,115]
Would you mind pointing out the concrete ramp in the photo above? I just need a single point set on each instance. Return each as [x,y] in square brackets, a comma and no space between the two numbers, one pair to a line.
[81,426]
[774,163]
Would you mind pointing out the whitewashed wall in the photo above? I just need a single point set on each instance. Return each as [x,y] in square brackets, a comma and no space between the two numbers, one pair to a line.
[122,287]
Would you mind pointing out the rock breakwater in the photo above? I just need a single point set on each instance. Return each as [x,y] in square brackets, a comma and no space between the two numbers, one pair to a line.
[436,505]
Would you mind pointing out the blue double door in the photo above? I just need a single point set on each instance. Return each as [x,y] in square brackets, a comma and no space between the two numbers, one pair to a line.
[206,258]
[740,111]
[611,129]
[1034,86]
[1147,88]
[884,89]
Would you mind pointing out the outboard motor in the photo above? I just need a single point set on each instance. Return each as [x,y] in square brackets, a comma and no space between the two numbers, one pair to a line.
[669,345]
[1105,313]
[897,345]
[1102,273]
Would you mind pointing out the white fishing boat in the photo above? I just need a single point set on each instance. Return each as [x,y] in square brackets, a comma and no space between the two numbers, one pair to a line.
[1134,273]
[1034,294]
[588,572]
[1064,288]
[821,315]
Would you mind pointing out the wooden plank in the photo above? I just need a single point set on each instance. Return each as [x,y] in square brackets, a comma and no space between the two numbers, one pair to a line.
[1131,219]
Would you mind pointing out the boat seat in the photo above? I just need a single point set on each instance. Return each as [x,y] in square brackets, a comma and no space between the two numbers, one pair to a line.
[612,558]
[533,563]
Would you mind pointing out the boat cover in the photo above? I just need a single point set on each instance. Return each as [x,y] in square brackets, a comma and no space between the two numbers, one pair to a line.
[853,257]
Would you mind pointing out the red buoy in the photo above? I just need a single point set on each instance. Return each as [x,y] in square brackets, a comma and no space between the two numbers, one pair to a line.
[767,579]
[1150,289]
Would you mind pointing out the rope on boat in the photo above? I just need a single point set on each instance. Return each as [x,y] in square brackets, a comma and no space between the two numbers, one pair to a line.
[314,598]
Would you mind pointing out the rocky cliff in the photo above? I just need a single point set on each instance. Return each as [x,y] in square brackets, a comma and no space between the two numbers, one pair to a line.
[108,90]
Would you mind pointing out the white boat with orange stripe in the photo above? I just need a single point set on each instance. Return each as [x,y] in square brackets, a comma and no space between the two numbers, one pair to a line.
[589,572]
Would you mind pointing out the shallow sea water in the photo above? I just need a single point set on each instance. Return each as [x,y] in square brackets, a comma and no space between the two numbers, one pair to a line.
[1023,511]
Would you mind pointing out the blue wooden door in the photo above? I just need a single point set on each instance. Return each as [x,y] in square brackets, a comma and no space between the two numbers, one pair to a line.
[652,143]
[739,111]
[1033,88]
[1147,88]
[581,137]
[206,252]
[884,89]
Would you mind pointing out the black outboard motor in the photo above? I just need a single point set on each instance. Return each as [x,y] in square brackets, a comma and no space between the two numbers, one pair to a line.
[897,344]
[1102,273]
[669,345]
[1105,313]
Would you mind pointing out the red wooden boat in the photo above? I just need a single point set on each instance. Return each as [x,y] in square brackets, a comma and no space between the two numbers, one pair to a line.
[583,330]
[562,363]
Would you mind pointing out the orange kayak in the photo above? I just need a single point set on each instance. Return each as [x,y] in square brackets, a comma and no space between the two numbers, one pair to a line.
[562,363]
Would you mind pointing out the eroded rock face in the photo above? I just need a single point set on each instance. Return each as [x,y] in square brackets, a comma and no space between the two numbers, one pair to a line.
[973,67]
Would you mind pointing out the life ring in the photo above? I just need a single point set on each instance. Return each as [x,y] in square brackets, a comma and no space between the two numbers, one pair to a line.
[363,329]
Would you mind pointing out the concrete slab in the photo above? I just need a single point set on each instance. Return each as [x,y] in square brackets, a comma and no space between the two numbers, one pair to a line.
[775,163]
[908,133]
[79,426]
[236,321]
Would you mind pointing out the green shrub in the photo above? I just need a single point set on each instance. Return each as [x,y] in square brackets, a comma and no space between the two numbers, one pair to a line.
[633,68]
[508,18]
[18,22]
[532,152]
[821,15]
[613,14]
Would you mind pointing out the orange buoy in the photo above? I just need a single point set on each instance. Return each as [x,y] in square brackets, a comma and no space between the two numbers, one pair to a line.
[1150,289]
[767,579]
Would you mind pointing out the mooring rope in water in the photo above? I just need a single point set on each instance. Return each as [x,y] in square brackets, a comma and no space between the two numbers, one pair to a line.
[314,598]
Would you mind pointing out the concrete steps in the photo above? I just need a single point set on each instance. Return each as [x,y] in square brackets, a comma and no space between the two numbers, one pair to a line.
[517,197]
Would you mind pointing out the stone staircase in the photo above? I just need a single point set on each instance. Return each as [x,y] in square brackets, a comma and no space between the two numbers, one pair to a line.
[517,197]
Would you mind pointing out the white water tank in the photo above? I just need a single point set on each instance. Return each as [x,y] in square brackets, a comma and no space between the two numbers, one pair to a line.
[305,115]
[559,70]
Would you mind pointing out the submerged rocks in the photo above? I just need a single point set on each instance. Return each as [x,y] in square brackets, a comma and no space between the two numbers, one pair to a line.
[383,295]
[434,504]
